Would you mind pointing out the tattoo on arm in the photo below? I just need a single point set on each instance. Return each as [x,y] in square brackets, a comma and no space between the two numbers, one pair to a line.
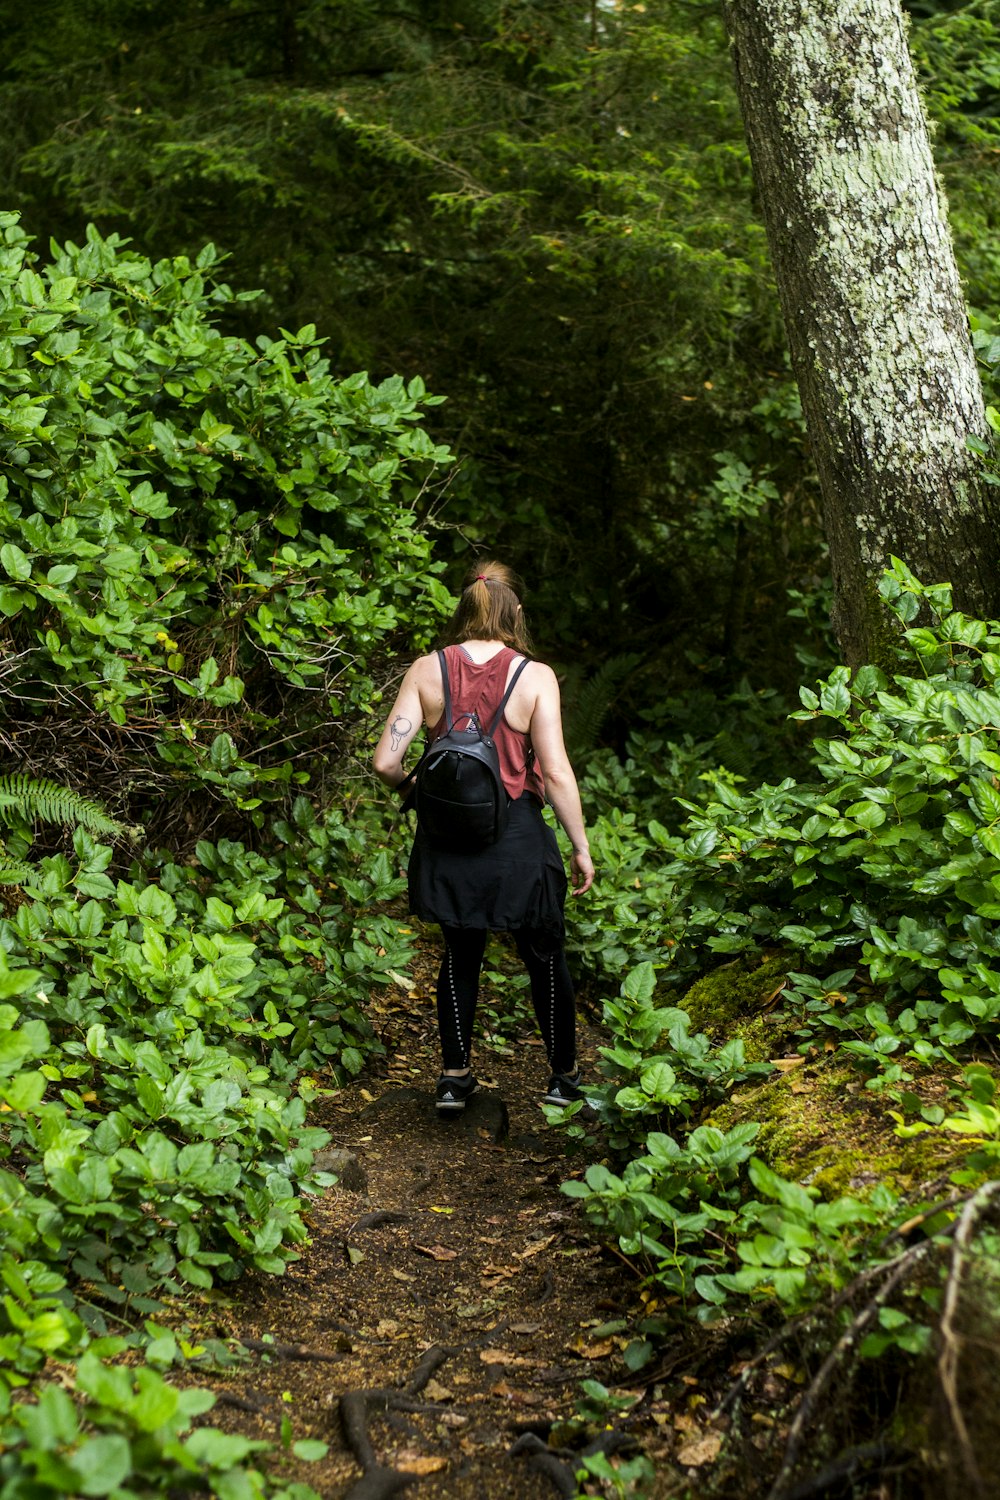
[400,729]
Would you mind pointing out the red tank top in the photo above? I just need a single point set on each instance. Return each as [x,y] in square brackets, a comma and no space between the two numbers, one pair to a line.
[477,687]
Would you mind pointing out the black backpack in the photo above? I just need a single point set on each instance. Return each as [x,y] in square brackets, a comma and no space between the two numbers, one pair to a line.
[458,792]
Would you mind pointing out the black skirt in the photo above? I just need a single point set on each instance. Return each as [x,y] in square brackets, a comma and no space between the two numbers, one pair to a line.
[517,882]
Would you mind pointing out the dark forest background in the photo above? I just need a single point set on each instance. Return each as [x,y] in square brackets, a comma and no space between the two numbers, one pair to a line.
[546,212]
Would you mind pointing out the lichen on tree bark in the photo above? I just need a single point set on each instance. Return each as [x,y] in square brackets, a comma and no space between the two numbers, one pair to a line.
[871,299]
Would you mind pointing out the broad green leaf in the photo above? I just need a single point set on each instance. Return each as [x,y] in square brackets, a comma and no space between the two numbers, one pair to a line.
[102,1464]
[639,984]
[790,1194]
[24,1092]
[14,562]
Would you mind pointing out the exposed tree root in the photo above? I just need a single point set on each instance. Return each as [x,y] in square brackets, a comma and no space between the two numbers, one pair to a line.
[541,1457]
[241,1403]
[377,1480]
[847,1470]
[378,1218]
[559,1465]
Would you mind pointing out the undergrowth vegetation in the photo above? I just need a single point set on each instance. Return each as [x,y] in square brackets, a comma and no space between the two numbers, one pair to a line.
[870,888]
[205,547]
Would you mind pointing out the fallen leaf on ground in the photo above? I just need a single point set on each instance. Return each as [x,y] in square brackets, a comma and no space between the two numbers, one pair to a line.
[515,1396]
[599,1350]
[703,1450]
[535,1248]
[505,1357]
[435,1391]
[491,1270]
[437,1252]
[420,1464]
[786,1064]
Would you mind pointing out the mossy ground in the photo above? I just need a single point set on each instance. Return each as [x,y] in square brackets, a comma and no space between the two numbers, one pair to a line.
[821,1123]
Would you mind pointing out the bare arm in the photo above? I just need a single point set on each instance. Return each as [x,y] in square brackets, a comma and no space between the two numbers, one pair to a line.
[560,783]
[405,719]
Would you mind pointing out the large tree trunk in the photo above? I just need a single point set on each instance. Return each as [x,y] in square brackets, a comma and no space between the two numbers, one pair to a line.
[871,299]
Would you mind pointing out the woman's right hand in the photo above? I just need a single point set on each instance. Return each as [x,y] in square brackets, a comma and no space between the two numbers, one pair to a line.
[581,871]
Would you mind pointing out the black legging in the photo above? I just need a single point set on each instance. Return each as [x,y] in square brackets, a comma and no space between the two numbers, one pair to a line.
[551,994]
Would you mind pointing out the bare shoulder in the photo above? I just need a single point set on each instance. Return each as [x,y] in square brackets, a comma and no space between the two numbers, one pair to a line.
[426,669]
[542,678]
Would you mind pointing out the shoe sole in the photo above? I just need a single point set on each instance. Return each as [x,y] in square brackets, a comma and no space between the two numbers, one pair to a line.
[452,1106]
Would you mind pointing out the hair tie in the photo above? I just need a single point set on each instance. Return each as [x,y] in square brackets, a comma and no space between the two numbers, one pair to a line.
[481,578]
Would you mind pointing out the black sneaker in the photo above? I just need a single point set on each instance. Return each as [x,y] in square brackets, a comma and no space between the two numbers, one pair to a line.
[452,1092]
[564,1088]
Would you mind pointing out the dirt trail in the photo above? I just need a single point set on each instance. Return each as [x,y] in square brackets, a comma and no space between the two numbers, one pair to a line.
[453,1282]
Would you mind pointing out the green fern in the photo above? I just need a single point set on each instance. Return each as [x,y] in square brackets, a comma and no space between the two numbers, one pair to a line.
[53,803]
[13,871]
[593,700]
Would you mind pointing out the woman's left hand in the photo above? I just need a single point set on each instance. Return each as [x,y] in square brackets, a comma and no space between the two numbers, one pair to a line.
[581,872]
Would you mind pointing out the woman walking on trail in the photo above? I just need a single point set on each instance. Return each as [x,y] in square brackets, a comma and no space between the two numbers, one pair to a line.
[517,884]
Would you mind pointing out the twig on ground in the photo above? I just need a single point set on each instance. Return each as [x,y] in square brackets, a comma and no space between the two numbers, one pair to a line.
[546,1287]
[951,1341]
[848,1339]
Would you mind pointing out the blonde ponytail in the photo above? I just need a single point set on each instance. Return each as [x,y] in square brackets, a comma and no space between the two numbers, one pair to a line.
[489,608]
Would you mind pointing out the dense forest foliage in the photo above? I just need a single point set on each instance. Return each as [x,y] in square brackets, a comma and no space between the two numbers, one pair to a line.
[301,306]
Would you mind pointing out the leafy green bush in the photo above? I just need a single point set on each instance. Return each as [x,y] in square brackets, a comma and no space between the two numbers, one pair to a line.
[159,1033]
[126,1432]
[684,1210]
[203,542]
[879,876]
[154,1133]
[632,911]
[658,1072]
[889,856]
[682,1205]
[205,549]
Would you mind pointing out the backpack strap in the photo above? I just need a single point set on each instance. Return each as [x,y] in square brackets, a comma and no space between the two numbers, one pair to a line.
[449,724]
[503,701]
[449,717]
